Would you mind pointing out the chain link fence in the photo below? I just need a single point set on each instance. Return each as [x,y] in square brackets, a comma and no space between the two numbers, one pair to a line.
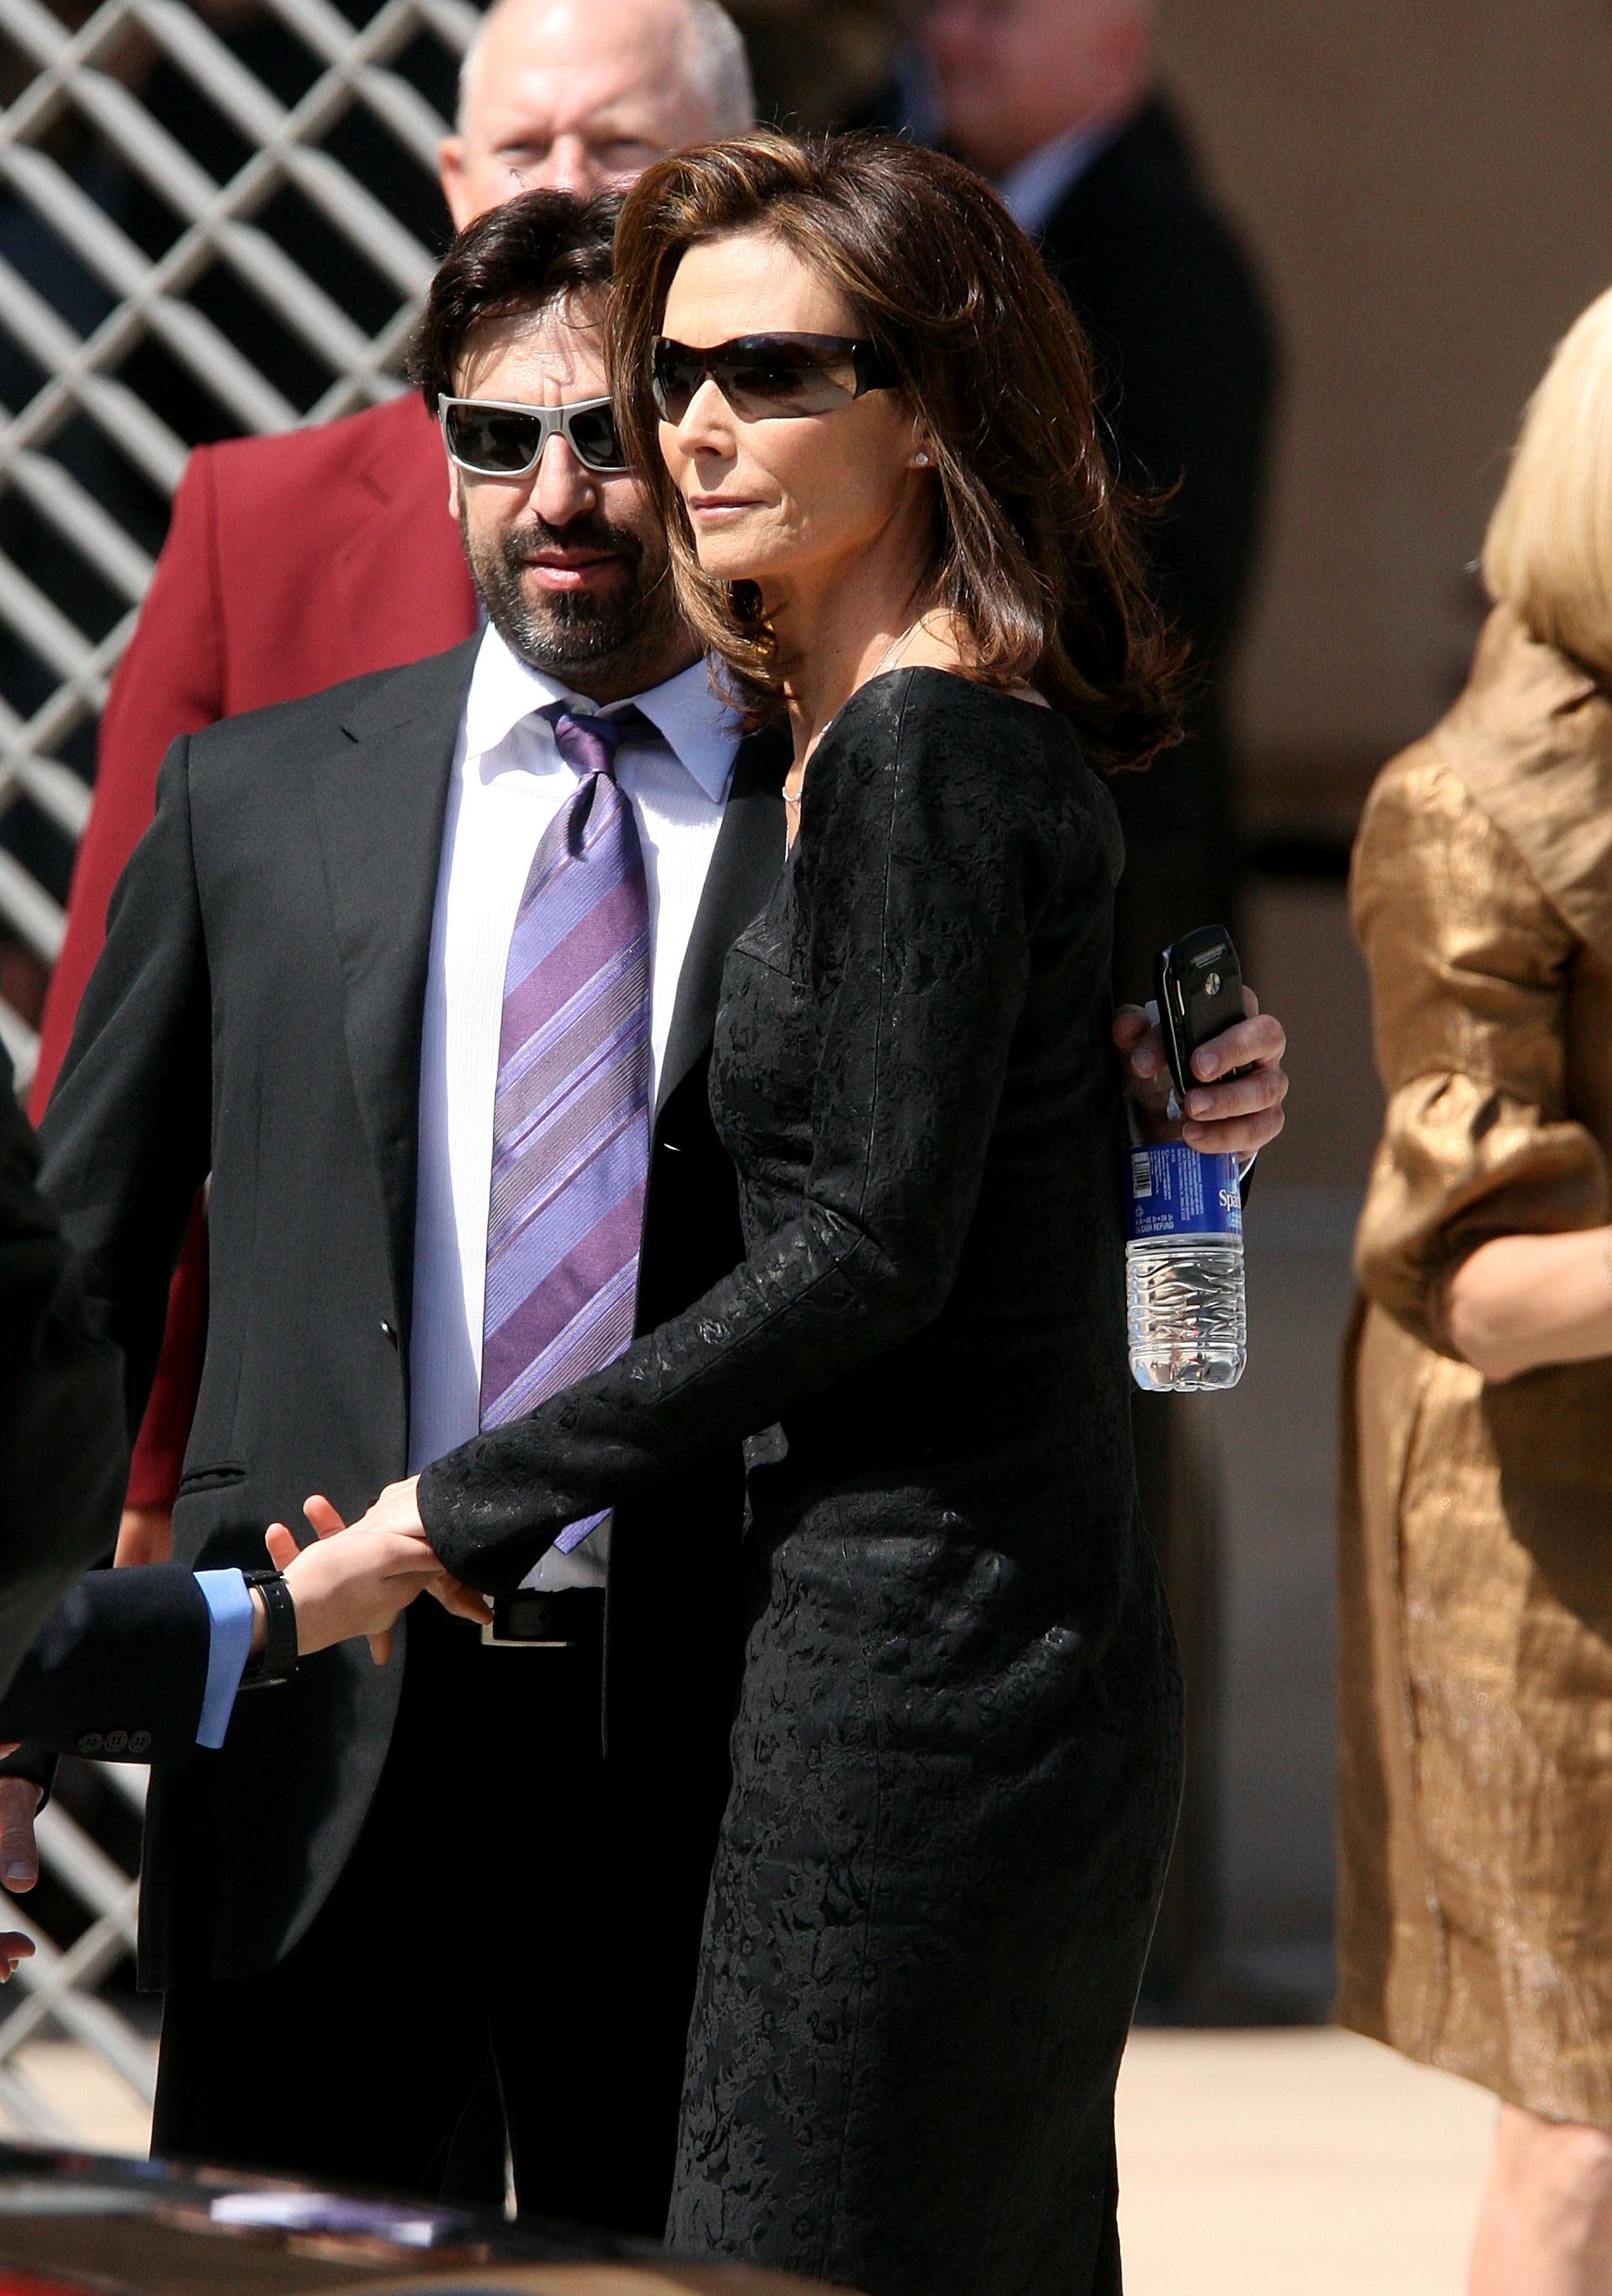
[55,1992]
[213,220]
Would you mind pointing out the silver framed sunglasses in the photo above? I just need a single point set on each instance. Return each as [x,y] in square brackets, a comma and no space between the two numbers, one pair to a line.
[504,438]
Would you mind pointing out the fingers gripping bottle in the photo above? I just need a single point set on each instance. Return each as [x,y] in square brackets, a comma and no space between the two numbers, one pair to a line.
[1184,1259]
[1188,1322]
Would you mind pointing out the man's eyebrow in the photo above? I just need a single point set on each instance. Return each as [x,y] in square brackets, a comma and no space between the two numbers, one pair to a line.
[606,121]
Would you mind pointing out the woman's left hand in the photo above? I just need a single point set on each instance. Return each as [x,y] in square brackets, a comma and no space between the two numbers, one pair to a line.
[1219,1119]
[398,1509]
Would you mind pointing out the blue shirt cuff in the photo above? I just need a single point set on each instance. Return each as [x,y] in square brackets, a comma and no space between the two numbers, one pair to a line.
[229,1604]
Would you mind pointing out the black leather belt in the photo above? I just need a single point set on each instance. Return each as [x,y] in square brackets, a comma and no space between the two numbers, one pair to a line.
[571,1618]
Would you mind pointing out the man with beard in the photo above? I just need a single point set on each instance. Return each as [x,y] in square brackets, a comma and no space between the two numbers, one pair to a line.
[294,562]
[320,982]
[425,968]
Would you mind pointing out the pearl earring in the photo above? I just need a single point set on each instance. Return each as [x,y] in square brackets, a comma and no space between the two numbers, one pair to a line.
[920,461]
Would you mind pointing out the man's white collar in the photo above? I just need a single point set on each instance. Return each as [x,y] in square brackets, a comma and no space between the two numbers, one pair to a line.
[700,731]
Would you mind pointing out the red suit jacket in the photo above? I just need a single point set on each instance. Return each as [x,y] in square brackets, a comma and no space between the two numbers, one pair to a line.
[290,563]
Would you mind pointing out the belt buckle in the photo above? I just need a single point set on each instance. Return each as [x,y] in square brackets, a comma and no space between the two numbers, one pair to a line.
[531,1619]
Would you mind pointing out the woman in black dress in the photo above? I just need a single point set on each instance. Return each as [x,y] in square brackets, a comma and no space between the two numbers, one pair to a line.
[956,1756]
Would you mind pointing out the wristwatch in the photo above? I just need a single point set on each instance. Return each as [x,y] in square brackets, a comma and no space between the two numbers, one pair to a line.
[276,1661]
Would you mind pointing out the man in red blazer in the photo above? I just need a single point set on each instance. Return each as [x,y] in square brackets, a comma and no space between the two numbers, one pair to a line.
[296,561]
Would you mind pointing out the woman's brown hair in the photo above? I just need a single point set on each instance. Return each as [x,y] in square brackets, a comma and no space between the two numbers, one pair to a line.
[1035,554]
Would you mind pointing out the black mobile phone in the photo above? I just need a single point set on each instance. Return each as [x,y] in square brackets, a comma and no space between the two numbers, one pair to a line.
[1198,983]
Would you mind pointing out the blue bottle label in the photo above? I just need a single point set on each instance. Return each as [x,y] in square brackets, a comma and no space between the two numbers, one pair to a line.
[1173,1191]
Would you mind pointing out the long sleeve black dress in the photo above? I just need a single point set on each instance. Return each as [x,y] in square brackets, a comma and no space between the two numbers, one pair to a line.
[957,1755]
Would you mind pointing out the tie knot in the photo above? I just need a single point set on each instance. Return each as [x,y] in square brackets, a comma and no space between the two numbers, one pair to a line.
[589,742]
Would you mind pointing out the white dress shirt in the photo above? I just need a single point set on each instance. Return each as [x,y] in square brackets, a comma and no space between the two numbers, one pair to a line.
[508,783]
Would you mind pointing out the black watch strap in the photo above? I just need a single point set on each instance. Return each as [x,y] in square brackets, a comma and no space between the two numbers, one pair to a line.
[276,1661]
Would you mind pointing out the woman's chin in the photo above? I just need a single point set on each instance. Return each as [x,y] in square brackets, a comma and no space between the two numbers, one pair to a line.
[724,560]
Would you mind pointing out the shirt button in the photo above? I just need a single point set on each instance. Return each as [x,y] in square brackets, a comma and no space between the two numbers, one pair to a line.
[388,1333]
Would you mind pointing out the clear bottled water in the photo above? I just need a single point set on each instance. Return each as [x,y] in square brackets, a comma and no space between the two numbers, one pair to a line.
[1187,1324]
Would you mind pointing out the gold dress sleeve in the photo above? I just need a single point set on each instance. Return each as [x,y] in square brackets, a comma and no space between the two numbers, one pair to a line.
[1470,967]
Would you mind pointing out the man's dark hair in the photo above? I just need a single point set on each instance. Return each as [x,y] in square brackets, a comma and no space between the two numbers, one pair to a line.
[532,252]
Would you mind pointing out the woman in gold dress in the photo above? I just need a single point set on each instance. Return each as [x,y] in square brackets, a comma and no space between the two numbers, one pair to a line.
[1475,1914]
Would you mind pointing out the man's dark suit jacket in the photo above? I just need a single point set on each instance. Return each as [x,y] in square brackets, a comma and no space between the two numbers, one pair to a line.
[1187,367]
[64,1453]
[257,1012]
[290,563]
[118,1669]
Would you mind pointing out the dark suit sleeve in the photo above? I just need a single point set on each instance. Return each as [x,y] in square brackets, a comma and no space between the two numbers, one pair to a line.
[158,1460]
[62,1449]
[1188,356]
[118,1670]
[126,1133]
[1195,409]
[170,680]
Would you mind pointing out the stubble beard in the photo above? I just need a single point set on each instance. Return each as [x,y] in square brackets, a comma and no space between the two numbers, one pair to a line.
[627,640]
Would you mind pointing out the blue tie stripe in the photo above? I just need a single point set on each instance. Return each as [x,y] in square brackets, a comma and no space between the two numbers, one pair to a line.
[570,897]
[539,1098]
[541,1064]
[551,1216]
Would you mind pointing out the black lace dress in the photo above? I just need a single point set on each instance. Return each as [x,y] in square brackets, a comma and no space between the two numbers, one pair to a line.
[956,1761]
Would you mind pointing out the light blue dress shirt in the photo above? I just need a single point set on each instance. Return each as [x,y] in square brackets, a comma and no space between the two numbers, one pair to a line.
[229,1606]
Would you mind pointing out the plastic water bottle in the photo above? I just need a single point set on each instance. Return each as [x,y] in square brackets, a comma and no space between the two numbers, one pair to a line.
[1184,1269]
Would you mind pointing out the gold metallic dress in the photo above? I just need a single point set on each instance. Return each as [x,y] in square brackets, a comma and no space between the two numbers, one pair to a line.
[1476,1893]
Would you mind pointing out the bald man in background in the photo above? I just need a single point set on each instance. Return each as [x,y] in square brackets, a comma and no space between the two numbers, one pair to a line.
[296,561]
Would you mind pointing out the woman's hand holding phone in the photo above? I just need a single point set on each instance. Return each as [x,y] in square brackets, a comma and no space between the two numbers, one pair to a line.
[1236,1117]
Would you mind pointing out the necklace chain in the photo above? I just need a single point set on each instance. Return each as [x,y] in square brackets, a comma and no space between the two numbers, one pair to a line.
[894,648]
[878,670]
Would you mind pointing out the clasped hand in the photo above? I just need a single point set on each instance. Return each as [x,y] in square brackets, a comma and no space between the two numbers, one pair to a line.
[360,1583]
[358,1578]
[347,1582]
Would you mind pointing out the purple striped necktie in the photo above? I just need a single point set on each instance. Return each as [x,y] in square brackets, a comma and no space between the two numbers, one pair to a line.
[571,1113]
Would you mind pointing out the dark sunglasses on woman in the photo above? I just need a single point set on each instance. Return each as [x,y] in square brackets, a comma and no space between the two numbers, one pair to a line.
[766,378]
[504,438]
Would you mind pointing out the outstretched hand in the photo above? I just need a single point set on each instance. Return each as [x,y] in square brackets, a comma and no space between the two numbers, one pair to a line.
[1233,1118]
[349,1582]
